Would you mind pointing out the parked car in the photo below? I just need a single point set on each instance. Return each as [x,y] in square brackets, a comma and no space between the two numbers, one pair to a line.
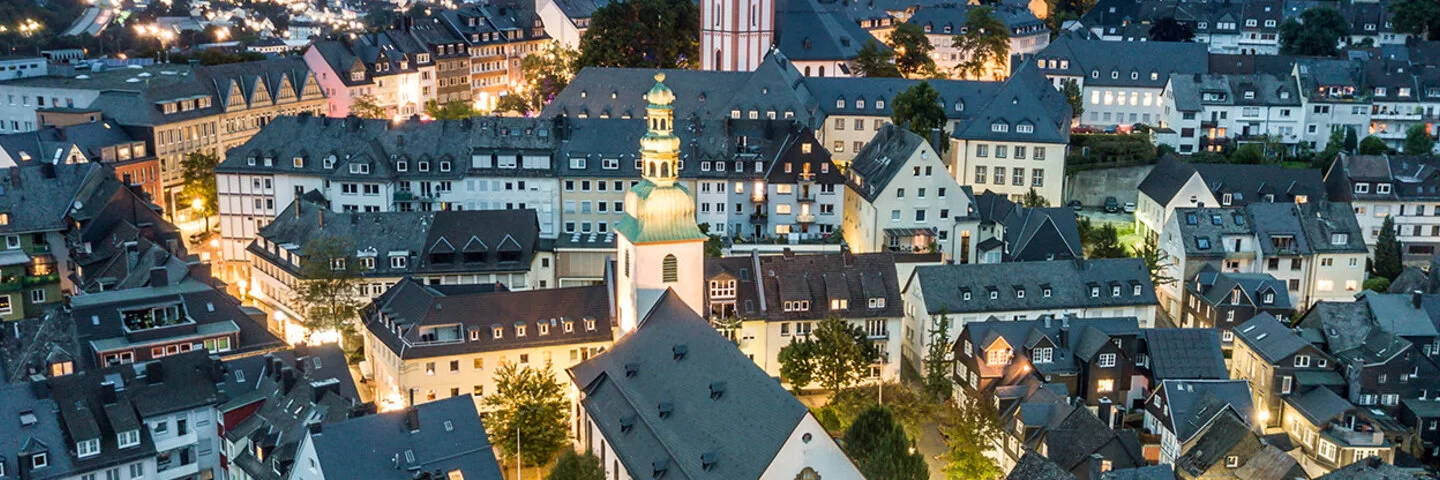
[1129,207]
[1074,205]
[1084,129]
[1111,205]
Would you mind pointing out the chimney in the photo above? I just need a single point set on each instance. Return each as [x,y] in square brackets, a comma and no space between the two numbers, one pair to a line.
[412,419]
[107,393]
[321,212]
[15,177]
[314,428]
[789,254]
[159,277]
[1064,332]
[847,255]
[287,379]
[1097,465]
[1415,298]
[154,372]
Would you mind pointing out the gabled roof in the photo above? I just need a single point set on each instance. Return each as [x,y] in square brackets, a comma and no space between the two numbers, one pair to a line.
[1031,233]
[676,361]
[808,30]
[1320,405]
[1195,403]
[885,155]
[443,435]
[1216,288]
[1096,60]
[1185,353]
[1267,336]
[1034,466]
[1070,283]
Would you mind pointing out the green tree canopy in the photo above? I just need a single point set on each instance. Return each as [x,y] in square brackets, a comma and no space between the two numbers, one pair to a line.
[797,363]
[198,172]
[643,34]
[834,355]
[1373,145]
[1104,242]
[1377,284]
[876,61]
[1248,154]
[577,466]
[1157,261]
[937,361]
[918,108]
[881,449]
[971,428]
[1418,17]
[1418,141]
[1316,33]
[984,45]
[531,403]
[326,292]
[1073,96]
[544,74]
[1034,199]
[912,51]
[1351,142]
[455,110]
[364,106]
[1388,262]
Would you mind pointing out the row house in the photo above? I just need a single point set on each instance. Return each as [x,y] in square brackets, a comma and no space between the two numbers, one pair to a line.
[1246,28]
[1174,184]
[966,293]
[1224,300]
[1011,232]
[1119,89]
[493,247]
[1093,359]
[429,342]
[442,439]
[1216,113]
[1279,362]
[898,197]
[177,110]
[1036,422]
[374,68]
[1178,410]
[1313,247]
[98,141]
[942,23]
[151,420]
[497,36]
[767,302]
[1401,188]
[1370,94]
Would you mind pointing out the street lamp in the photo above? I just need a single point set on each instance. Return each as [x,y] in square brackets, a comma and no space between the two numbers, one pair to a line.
[196,204]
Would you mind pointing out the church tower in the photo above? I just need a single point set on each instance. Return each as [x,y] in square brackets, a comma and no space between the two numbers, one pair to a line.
[659,245]
[735,34]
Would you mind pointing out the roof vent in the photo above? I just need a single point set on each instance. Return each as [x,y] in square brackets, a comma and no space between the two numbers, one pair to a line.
[631,369]
[661,466]
[627,423]
[717,390]
[708,459]
[666,408]
[680,350]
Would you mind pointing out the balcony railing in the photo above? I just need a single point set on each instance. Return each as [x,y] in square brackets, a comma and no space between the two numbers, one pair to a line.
[757,196]
[805,218]
[1395,115]
[806,196]
[41,279]
[11,284]
[758,218]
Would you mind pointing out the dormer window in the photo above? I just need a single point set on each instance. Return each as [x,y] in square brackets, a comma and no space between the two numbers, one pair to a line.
[1136,291]
[1115,291]
[519,330]
[1362,188]
[1269,298]
[39,460]
[130,438]
[1339,238]
[1042,355]
[999,127]
[360,168]
[397,261]
[424,166]
[402,166]
[357,75]
[840,103]
[1383,188]
[1045,293]
[87,448]
[965,296]
[999,356]
[1249,94]
[1094,292]
[497,332]
[1379,91]
[1134,75]
[1019,294]
[444,165]
[330,162]
[299,162]
[1025,128]
[337,264]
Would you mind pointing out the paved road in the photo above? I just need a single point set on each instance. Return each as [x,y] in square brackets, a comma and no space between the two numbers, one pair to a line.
[932,444]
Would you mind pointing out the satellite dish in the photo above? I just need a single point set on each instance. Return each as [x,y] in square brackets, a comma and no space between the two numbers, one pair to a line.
[78,205]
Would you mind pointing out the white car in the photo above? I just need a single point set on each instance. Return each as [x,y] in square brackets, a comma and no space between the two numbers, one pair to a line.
[1129,207]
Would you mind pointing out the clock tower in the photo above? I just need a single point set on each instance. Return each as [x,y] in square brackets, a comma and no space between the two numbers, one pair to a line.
[659,245]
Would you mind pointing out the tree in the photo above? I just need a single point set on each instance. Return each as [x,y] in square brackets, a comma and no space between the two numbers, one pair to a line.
[971,430]
[531,403]
[1388,262]
[364,106]
[1157,261]
[577,466]
[1377,284]
[643,34]
[918,108]
[840,358]
[912,50]
[326,292]
[714,246]
[1168,29]
[1417,17]
[1074,96]
[1316,33]
[1351,143]
[797,363]
[1248,154]
[875,61]
[198,172]
[914,409]
[455,110]
[1105,243]
[1033,199]
[984,46]
[881,449]
[1373,145]
[1418,141]
[937,358]
[543,75]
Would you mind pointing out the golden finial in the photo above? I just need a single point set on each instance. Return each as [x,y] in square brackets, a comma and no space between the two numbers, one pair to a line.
[659,77]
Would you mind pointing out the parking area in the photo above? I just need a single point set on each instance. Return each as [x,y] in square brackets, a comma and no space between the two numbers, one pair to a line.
[1124,223]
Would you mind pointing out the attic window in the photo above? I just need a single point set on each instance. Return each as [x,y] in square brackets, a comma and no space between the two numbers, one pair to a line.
[444,165]
[330,162]
[1269,298]
[1134,75]
[360,168]
[1046,293]
[1025,128]
[1233,461]
[999,127]
[299,162]
[497,332]
[424,166]
[1154,75]
[1136,291]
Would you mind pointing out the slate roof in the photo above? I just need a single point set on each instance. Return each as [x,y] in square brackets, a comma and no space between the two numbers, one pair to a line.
[1373,468]
[1027,99]
[1086,336]
[1194,403]
[405,312]
[1246,183]
[1031,233]
[816,278]
[1150,472]
[1410,178]
[1185,353]
[449,436]
[679,360]
[875,165]
[51,144]
[1095,60]
[1034,466]
[1267,336]
[1402,315]
[1070,282]
[809,30]
[253,83]
[38,197]
[99,316]
[871,96]
[474,240]
[1320,405]
[1082,434]
[1264,89]
[1228,436]
[950,18]
[1216,288]
[1352,333]
[294,396]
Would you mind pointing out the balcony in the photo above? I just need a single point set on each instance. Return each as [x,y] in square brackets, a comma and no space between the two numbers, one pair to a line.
[1387,135]
[404,196]
[759,218]
[805,196]
[805,218]
[1359,435]
[758,195]
[11,284]
[1396,115]
[41,279]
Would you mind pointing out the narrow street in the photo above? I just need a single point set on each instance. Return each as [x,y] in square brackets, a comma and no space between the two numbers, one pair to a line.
[932,444]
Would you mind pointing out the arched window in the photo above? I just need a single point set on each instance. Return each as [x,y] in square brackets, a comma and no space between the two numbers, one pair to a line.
[717,59]
[664,169]
[807,70]
[670,269]
[717,14]
[822,70]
